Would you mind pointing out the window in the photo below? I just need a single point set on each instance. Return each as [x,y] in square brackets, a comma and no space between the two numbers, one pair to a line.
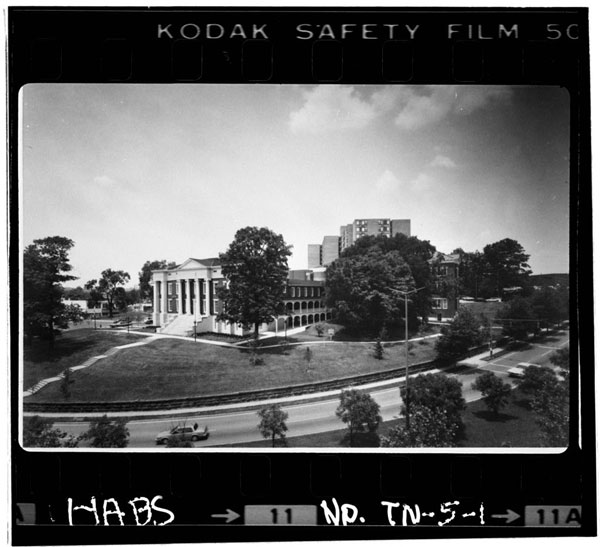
[439,304]
[312,291]
[305,291]
[294,292]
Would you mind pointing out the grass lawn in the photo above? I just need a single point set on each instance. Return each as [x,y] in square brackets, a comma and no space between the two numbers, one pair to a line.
[514,426]
[172,368]
[72,348]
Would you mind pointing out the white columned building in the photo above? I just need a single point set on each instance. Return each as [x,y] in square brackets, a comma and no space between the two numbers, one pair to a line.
[186,297]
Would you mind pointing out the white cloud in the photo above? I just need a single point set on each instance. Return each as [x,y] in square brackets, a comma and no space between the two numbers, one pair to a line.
[443,161]
[329,108]
[431,104]
[387,182]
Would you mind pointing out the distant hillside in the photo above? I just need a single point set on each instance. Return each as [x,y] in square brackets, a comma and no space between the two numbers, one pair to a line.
[546,280]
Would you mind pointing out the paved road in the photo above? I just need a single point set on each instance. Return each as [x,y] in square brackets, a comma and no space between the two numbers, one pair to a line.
[318,416]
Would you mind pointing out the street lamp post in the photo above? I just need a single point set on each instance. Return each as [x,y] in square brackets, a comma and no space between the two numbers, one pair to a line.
[407,388]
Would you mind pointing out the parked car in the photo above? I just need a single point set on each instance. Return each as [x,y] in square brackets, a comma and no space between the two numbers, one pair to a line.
[519,370]
[183,433]
[148,321]
[120,323]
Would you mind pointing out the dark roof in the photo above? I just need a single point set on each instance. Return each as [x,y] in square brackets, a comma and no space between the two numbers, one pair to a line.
[304,283]
[208,262]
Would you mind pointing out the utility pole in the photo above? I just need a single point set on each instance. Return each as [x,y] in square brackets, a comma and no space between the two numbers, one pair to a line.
[407,388]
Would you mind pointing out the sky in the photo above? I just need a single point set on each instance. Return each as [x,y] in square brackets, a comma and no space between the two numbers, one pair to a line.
[147,172]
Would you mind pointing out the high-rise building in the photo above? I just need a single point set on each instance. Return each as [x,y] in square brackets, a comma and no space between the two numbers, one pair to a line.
[332,246]
[401,226]
[330,250]
[346,238]
[314,255]
[372,227]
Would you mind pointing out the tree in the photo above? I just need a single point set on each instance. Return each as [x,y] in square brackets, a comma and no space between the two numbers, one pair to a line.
[437,391]
[320,329]
[457,337]
[106,433]
[359,412]
[561,359]
[378,349]
[550,398]
[272,422]
[429,427]
[38,432]
[65,383]
[546,306]
[365,289]
[108,287]
[537,379]
[145,275]
[518,319]
[77,293]
[255,267]
[308,357]
[551,407]
[507,266]
[45,267]
[415,252]
[495,392]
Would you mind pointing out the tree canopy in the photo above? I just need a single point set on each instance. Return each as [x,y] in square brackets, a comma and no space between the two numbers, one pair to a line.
[518,319]
[108,287]
[415,252]
[365,289]
[501,265]
[38,432]
[106,433]
[495,392]
[437,391]
[507,263]
[256,269]
[458,336]
[272,422]
[429,427]
[145,275]
[359,412]
[45,267]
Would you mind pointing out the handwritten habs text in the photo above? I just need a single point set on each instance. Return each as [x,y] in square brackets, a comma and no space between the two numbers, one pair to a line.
[404,514]
[142,510]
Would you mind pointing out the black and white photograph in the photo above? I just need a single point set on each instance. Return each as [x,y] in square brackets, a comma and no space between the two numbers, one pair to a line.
[294,267]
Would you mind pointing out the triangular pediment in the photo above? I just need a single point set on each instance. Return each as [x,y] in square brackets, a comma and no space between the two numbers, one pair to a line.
[191,264]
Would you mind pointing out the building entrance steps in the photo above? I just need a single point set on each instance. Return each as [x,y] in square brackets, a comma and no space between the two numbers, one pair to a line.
[182,325]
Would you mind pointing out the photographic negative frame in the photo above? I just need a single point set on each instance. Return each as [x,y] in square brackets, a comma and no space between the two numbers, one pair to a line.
[492,104]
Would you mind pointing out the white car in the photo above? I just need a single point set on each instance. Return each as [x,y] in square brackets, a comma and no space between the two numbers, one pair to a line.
[183,433]
[519,370]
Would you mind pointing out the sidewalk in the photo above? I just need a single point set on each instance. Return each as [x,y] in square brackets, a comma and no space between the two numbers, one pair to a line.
[482,358]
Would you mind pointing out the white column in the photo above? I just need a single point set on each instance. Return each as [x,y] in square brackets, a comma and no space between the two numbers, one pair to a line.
[206,298]
[155,285]
[188,288]
[156,304]
[163,296]
[179,296]
[197,299]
